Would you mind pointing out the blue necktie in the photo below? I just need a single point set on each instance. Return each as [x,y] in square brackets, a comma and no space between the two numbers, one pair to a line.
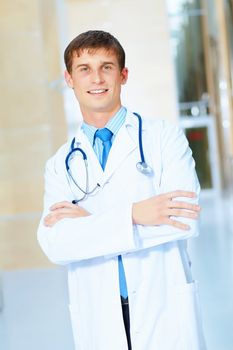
[105,135]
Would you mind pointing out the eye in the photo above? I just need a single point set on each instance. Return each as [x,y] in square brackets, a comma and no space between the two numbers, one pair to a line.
[83,69]
[107,67]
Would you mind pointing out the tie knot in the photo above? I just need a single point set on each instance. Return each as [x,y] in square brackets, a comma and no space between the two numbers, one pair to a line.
[104,134]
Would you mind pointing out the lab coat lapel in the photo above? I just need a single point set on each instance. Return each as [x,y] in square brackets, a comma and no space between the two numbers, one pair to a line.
[122,146]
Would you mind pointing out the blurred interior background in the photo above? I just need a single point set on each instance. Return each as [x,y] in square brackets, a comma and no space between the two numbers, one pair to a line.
[180,59]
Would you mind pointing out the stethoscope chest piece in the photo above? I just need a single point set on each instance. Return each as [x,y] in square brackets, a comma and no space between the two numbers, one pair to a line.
[145,169]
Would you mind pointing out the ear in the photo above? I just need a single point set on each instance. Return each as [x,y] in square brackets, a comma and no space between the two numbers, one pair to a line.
[69,80]
[124,75]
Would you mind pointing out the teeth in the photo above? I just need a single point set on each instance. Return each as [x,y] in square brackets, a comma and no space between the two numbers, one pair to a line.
[97,91]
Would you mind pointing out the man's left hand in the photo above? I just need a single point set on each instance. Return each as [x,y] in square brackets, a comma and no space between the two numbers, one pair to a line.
[64,210]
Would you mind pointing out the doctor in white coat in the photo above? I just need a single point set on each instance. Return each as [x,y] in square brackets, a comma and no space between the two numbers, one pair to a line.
[94,215]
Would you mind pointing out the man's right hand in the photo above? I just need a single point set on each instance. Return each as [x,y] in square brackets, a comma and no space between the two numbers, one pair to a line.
[162,209]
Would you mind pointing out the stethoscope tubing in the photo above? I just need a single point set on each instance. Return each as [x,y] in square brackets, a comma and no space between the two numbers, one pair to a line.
[140,137]
[141,165]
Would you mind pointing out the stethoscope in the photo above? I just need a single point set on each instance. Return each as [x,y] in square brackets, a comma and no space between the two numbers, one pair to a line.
[141,166]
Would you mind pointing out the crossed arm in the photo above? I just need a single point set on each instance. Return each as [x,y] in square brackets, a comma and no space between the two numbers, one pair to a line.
[158,210]
[159,219]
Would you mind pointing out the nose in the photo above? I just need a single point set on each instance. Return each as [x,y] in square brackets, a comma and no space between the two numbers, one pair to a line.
[97,77]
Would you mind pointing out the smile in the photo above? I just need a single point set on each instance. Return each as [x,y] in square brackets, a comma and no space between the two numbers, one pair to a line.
[97,91]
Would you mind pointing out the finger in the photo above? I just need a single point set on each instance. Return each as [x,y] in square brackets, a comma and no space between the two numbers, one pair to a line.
[62,213]
[64,204]
[180,193]
[57,211]
[50,220]
[183,213]
[184,205]
[177,224]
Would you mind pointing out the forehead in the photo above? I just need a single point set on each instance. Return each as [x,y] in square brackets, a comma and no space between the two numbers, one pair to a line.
[92,55]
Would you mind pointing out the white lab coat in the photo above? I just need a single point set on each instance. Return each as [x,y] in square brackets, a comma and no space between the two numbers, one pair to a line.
[164,307]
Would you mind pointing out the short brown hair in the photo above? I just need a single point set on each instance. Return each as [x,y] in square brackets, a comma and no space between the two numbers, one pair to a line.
[93,40]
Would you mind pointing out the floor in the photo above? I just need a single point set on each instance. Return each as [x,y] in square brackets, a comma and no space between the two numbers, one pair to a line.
[35,315]
[34,304]
[212,255]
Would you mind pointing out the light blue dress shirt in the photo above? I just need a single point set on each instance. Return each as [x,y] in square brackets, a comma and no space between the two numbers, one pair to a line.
[114,124]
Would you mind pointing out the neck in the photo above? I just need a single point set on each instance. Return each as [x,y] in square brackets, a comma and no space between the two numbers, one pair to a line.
[98,119]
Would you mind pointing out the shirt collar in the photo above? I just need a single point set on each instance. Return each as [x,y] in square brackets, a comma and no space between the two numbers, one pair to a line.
[114,124]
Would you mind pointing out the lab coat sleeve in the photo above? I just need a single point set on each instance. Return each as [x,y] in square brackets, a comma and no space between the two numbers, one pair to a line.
[177,173]
[100,234]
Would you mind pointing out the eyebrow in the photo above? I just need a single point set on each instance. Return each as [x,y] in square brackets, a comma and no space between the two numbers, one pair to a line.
[108,62]
[81,65]
[102,64]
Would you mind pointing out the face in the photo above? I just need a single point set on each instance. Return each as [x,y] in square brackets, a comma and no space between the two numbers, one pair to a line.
[96,79]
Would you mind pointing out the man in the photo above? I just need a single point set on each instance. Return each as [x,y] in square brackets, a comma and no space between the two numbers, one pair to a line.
[121,232]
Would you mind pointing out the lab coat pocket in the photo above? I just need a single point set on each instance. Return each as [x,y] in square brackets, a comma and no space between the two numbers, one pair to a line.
[189,317]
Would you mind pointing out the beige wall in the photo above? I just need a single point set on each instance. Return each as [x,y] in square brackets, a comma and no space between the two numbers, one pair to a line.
[32,123]
[144,33]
